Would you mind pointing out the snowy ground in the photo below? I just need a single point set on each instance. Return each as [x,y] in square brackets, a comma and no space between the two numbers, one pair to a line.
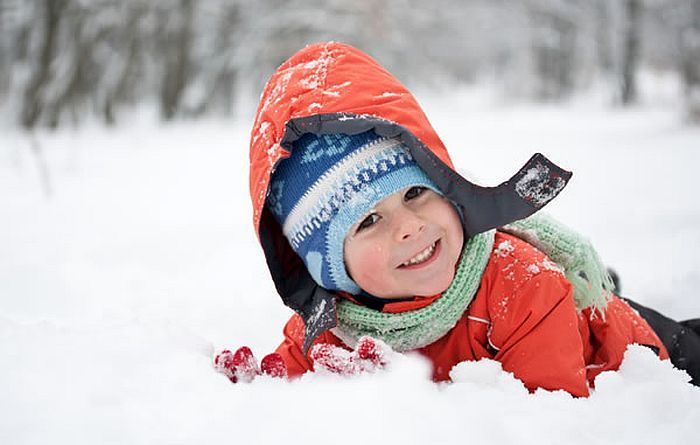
[118,284]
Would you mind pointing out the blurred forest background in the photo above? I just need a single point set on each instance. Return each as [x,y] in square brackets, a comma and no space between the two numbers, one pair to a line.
[67,61]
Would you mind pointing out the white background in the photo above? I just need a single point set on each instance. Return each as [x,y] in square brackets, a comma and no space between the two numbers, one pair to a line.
[118,285]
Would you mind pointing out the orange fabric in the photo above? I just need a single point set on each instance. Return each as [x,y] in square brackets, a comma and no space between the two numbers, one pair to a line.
[411,305]
[397,306]
[328,78]
[523,316]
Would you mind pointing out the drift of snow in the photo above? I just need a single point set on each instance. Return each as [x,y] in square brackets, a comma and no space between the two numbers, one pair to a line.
[117,289]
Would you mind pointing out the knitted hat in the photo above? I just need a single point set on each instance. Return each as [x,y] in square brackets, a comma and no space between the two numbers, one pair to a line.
[327,184]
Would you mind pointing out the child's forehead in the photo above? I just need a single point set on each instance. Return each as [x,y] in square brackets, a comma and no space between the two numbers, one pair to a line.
[398,194]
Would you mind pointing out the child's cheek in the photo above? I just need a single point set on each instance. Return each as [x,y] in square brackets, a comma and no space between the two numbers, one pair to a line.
[373,262]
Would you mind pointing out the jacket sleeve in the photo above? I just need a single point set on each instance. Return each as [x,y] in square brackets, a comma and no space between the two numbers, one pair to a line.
[290,348]
[535,332]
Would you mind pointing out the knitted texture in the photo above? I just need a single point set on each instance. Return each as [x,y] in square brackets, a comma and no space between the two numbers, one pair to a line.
[328,183]
[414,329]
[574,253]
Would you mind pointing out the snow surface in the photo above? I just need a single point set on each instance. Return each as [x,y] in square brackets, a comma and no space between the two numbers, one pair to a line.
[117,288]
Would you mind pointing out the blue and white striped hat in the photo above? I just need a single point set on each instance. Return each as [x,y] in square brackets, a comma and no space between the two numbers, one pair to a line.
[327,184]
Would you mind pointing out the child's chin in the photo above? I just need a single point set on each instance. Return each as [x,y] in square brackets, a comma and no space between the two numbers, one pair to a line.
[435,287]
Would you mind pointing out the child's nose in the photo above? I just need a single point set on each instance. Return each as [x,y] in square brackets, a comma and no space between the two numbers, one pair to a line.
[409,225]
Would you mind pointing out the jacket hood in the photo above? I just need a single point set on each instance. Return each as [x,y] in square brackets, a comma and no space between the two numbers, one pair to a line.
[335,88]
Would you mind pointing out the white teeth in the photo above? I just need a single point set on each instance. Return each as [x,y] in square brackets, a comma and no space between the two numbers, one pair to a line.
[424,255]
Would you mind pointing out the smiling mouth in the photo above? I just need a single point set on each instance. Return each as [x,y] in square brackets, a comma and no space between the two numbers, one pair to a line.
[422,257]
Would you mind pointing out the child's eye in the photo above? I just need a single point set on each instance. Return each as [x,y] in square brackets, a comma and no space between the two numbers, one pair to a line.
[413,192]
[368,221]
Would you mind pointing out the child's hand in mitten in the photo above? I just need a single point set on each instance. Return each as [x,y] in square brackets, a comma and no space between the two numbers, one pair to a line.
[242,366]
[369,355]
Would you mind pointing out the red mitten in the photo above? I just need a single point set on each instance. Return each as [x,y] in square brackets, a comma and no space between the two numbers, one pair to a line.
[273,365]
[334,359]
[242,365]
[373,350]
[223,363]
[245,365]
[368,356]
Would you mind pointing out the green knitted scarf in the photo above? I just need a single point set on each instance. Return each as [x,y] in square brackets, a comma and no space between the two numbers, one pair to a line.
[574,253]
[410,330]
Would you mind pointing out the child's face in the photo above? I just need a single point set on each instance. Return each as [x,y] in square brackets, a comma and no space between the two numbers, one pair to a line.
[407,246]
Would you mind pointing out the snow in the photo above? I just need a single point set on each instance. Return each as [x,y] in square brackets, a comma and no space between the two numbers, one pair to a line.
[117,288]
[503,249]
[533,269]
[533,188]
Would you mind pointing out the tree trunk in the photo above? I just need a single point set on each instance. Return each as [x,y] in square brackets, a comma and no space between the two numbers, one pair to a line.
[602,36]
[177,62]
[554,50]
[125,88]
[690,56]
[32,105]
[630,55]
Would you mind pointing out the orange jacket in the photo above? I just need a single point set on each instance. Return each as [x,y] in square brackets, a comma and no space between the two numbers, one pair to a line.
[525,320]
[523,316]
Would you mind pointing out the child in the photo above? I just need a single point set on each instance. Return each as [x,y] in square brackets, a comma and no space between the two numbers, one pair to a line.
[369,232]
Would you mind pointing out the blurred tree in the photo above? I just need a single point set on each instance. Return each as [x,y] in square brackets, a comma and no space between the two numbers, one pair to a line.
[690,60]
[49,14]
[5,59]
[630,54]
[603,37]
[64,60]
[213,75]
[553,45]
[121,51]
[174,39]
